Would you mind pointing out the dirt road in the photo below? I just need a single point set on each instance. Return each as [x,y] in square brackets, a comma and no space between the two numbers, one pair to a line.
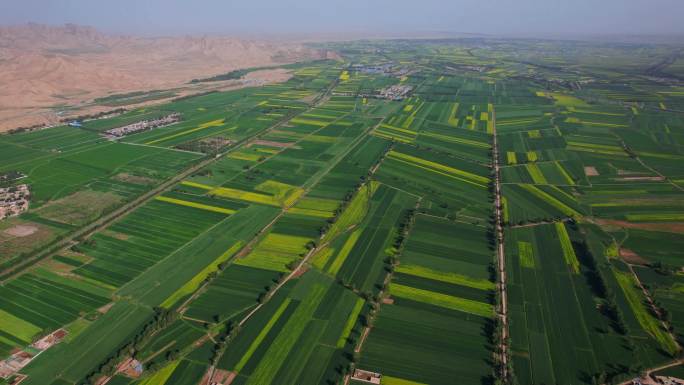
[107,219]
[500,254]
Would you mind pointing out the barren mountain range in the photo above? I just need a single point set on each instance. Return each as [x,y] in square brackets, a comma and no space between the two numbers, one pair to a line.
[45,67]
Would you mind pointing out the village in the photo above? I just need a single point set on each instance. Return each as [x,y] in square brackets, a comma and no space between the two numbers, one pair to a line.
[14,200]
[396,92]
[143,125]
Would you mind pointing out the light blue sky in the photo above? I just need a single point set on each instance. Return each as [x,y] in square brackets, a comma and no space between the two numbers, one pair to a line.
[540,18]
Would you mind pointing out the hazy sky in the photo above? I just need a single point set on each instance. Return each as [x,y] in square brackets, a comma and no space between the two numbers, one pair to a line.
[540,18]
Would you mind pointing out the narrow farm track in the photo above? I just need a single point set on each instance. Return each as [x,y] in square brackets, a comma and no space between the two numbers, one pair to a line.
[388,278]
[302,263]
[106,220]
[500,253]
[319,100]
[348,223]
[248,247]
[539,223]
[653,306]
[304,260]
[165,148]
[644,165]
[101,223]
[641,162]
[656,369]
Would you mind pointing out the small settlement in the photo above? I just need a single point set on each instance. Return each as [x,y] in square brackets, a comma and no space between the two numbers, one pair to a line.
[143,125]
[14,200]
[11,365]
[396,92]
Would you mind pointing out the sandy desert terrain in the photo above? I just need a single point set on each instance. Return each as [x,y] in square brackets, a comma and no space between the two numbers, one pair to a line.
[45,67]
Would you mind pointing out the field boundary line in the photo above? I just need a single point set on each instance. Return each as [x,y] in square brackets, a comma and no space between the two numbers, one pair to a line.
[106,220]
[161,148]
[653,307]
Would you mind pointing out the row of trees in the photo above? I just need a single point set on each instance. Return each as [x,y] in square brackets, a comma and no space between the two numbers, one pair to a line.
[230,330]
[502,371]
[494,328]
[342,206]
[19,130]
[594,274]
[97,115]
[369,313]
[268,289]
[160,320]
[363,179]
[597,283]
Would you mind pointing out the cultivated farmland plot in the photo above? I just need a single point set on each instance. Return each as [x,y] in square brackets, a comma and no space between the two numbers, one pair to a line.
[500,220]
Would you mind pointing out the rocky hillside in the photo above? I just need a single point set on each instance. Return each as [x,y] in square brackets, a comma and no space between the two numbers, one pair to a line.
[45,66]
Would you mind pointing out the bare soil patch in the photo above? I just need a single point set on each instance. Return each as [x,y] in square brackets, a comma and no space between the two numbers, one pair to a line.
[629,172]
[206,377]
[130,368]
[658,201]
[12,245]
[270,143]
[135,179]
[218,376]
[303,269]
[231,377]
[590,171]
[641,178]
[668,227]
[364,335]
[116,234]
[57,267]
[72,65]
[21,230]
[277,75]
[630,256]
[201,341]
[104,309]
[80,207]
[243,253]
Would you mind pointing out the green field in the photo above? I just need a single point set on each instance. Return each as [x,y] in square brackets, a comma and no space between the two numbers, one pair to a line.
[291,232]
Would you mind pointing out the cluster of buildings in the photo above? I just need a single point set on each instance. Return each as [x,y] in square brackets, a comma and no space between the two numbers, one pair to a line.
[387,69]
[652,379]
[367,376]
[465,67]
[131,368]
[11,365]
[396,92]
[379,69]
[14,200]
[144,125]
